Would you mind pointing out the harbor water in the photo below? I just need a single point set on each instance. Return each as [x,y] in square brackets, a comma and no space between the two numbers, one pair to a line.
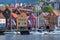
[29,37]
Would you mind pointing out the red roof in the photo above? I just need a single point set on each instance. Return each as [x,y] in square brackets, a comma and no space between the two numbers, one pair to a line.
[1,16]
[14,15]
[55,12]
[26,9]
[2,9]
[32,17]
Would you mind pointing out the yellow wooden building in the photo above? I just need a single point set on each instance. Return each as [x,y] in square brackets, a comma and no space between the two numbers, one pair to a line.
[22,20]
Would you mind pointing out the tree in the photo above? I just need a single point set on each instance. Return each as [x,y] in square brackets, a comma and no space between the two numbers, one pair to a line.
[42,0]
[6,6]
[6,14]
[37,9]
[48,9]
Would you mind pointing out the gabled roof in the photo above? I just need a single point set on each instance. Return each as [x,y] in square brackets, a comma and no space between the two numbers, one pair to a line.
[14,15]
[32,16]
[26,9]
[23,15]
[56,12]
[1,16]
[2,9]
[43,14]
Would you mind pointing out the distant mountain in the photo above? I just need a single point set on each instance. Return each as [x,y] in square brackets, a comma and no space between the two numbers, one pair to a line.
[15,1]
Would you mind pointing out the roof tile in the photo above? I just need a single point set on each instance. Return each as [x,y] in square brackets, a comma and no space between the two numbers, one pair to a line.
[1,16]
[55,12]
[14,15]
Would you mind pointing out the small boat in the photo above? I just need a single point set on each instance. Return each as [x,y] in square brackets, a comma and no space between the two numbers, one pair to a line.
[34,32]
[15,33]
[40,33]
[10,32]
[45,32]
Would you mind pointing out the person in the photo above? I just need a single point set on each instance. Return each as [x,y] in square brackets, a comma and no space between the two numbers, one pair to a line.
[29,27]
[47,27]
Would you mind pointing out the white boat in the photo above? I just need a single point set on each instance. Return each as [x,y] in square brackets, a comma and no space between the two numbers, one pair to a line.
[15,33]
[45,32]
[40,33]
[34,32]
[10,33]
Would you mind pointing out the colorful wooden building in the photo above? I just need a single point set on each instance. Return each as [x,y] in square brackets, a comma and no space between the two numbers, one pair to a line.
[32,20]
[2,22]
[22,20]
[52,19]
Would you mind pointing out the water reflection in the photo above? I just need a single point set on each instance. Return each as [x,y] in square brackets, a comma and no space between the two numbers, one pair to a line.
[51,37]
[29,37]
[10,37]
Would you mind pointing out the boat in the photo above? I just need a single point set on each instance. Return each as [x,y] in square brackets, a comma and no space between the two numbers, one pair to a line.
[9,32]
[40,33]
[14,33]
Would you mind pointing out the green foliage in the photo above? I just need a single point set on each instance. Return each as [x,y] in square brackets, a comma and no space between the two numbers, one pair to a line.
[42,0]
[48,9]
[6,13]
[5,6]
[37,8]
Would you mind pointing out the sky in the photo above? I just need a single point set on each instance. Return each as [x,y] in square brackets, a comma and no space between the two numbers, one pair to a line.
[15,1]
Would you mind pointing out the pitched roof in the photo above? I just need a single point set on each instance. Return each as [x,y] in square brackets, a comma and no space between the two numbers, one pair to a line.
[26,9]
[1,16]
[43,14]
[14,15]
[2,9]
[55,12]
[24,14]
[32,16]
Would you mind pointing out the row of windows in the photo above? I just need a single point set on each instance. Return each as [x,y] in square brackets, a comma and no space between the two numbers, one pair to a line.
[21,19]
[51,18]
[53,22]
[22,23]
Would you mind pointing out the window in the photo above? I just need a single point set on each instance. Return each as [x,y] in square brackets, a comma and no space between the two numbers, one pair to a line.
[18,23]
[23,23]
[18,26]
[52,18]
[22,19]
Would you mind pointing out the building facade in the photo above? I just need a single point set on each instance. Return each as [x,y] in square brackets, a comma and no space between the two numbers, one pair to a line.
[22,20]
[2,22]
[52,19]
[32,20]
